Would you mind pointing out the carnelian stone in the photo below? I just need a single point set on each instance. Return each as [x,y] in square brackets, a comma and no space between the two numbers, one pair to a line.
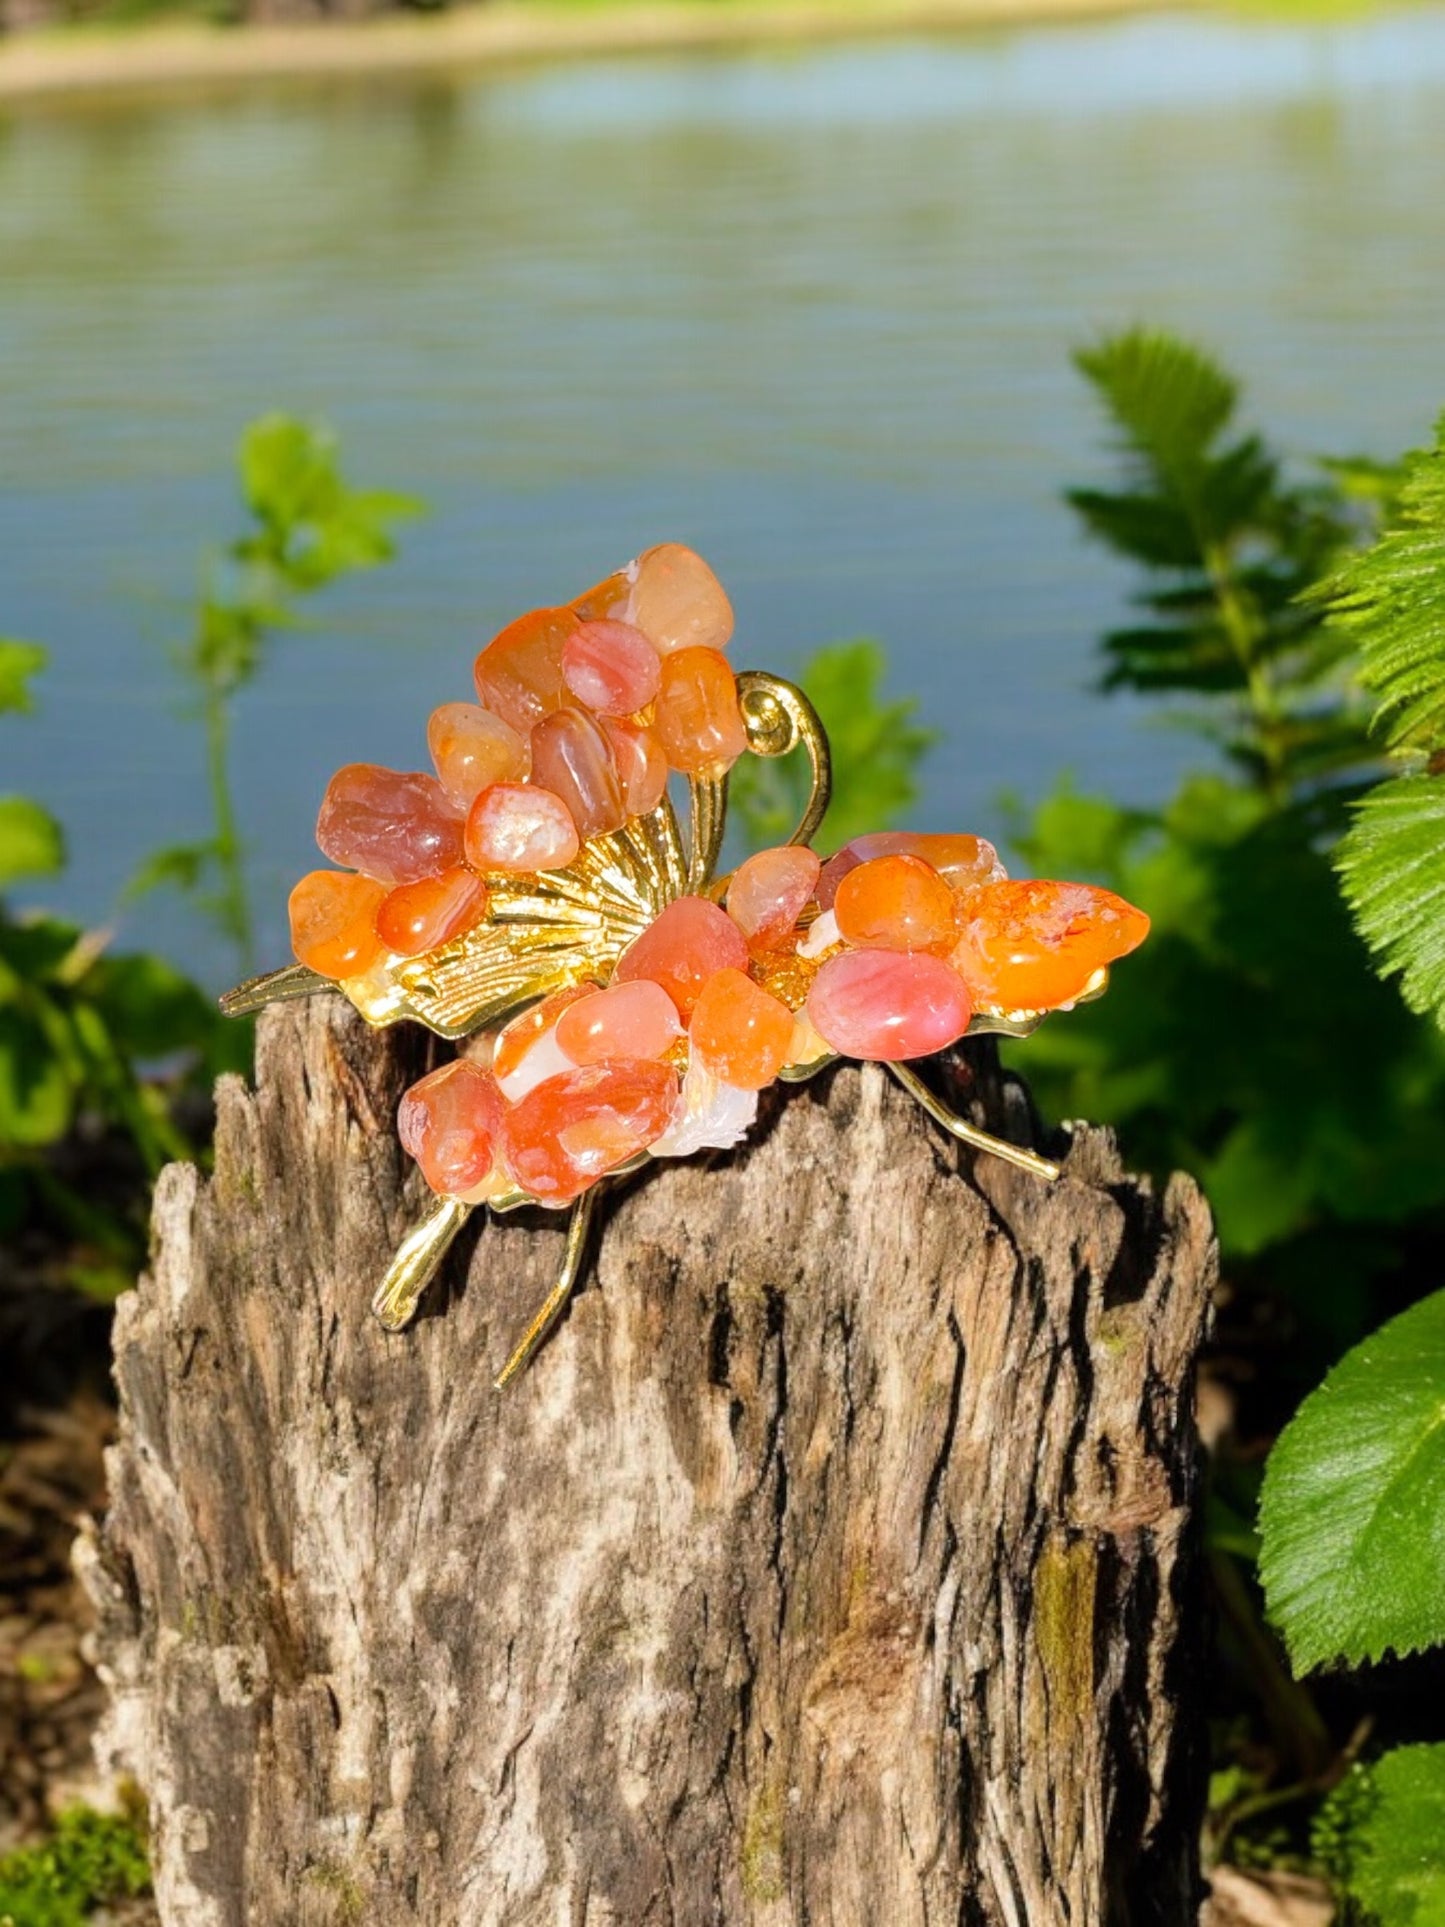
[896,903]
[519,673]
[573,758]
[1035,945]
[573,1129]
[677,602]
[451,1123]
[964,861]
[520,826]
[473,749]
[533,1030]
[395,825]
[888,1004]
[682,948]
[611,667]
[696,715]
[768,893]
[609,597]
[635,1019]
[641,765]
[333,922]
[741,1032]
[416,917]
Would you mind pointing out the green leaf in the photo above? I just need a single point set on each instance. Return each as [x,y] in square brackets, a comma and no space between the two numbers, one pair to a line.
[31,843]
[313,525]
[1396,1847]
[19,661]
[181,866]
[1392,871]
[877,749]
[1168,398]
[1352,1515]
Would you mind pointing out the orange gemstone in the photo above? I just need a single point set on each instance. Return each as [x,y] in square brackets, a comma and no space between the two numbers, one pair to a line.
[888,1004]
[626,1020]
[518,827]
[395,825]
[517,1040]
[611,667]
[451,1123]
[1035,945]
[609,597]
[682,948]
[768,893]
[573,1129]
[333,922]
[573,758]
[641,765]
[677,602]
[473,749]
[519,675]
[696,715]
[741,1032]
[963,861]
[416,917]
[896,903]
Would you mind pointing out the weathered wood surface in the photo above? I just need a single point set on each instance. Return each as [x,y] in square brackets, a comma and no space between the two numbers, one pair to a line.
[834,1564]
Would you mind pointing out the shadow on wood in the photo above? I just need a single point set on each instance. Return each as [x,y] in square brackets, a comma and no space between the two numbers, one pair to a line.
[834,1563]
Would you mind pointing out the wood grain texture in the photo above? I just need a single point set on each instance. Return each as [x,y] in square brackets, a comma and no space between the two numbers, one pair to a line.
[833,1565]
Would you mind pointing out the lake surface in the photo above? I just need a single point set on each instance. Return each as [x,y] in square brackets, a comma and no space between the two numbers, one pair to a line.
[809,310]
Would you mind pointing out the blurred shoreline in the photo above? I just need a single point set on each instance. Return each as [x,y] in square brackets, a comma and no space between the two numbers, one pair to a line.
[96,60]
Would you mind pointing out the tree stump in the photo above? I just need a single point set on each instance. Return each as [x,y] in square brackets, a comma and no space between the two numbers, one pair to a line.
[834,1563]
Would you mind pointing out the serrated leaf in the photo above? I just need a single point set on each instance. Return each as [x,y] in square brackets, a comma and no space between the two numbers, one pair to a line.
[1169,399]
[1352,1514]
[1392,871]
[1396,1849]
[19,661]
[31,843]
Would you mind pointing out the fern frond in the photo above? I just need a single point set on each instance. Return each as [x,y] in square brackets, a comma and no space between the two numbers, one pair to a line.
[1392,871]
[1168,399]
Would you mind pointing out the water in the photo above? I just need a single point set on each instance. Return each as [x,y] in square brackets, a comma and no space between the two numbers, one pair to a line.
[809,310]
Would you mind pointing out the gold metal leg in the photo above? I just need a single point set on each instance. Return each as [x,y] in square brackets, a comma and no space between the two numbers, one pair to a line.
[417,1260]
[275,987]
[583,1213]
[967,1133]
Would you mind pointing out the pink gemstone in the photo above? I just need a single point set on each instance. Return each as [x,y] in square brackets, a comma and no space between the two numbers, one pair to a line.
[888,1004]
[393,825]
[573,758]
[611,667]
[682,948]
[451,1123]
[833,873]
[641,765]
[627,1020]
[473,749]
[768,893]
[519,826]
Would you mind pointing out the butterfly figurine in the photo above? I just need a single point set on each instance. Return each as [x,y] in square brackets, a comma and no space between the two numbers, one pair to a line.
[614,998]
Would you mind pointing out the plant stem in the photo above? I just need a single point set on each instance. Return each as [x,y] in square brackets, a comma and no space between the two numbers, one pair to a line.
[235,904]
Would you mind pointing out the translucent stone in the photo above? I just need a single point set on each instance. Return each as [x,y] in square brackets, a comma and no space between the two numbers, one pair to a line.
[896,903]
[641,765]
[888,1004]
[963,861]
[573,759]
[609,597]
[518,827]
[451,1123]
[682,948]
[473,749]
[740,1031]
[712,1116]
[574,1129]
[626,1020]
[519,674]
[841,864]
[395,825]
[677,602]
[806,1046]
[611,667]
[823,933]
[1035,945]
[696,715]
[333,923]
[416,917]
[768,892]
[527,1052]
